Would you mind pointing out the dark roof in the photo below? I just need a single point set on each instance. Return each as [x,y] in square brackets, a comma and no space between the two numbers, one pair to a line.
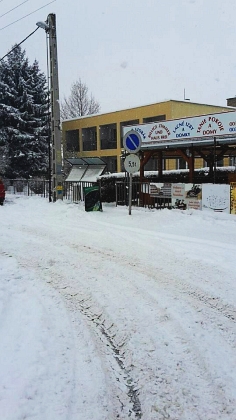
[86,161]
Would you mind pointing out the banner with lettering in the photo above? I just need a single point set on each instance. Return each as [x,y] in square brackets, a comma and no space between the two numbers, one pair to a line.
[186,196]
[184,129]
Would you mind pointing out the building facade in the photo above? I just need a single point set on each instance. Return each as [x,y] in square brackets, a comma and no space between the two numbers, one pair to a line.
[101,135]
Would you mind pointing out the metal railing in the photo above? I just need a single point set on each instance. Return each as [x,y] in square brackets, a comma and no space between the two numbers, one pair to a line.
[72,191]
[142,195]
[27,187]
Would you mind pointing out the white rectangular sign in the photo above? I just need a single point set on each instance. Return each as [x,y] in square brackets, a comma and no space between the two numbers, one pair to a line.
[186,196]
[216,197]
[184,129]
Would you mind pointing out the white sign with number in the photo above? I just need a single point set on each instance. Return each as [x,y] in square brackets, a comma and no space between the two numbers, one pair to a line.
[132,163]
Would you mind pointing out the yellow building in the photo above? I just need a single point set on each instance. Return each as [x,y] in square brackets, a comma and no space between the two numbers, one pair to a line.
[101,135]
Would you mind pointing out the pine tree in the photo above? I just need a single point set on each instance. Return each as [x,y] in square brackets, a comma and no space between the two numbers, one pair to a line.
[24,116]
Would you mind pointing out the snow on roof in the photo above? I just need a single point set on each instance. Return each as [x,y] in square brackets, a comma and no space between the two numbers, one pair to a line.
[145,105]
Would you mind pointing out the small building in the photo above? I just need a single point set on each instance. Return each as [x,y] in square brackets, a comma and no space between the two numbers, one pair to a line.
[100,135]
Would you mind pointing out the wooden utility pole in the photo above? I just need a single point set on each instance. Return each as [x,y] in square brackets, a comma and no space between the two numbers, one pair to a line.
[56,157]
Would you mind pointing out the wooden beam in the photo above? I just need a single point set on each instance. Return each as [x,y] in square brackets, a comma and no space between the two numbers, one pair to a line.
[145,156]
[159,158]
[191,165]
[183,155]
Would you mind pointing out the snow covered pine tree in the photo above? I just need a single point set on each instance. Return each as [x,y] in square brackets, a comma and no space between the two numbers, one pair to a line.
[23,117]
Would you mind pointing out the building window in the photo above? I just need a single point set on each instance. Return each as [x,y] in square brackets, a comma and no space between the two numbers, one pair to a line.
[220,162]
[111,162]
[232,161]
[72,140]
[181,164]
[151,165]
[124,124]
[108,136]
[154,119]
[89,136]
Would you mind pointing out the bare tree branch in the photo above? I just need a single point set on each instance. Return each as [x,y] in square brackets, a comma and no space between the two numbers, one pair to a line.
[78,103]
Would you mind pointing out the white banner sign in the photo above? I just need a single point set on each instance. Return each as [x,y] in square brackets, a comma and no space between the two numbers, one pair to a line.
[216,197]
[184,129]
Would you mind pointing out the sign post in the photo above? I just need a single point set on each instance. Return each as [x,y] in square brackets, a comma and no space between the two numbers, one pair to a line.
[130,193]
[132,142]
[131,164]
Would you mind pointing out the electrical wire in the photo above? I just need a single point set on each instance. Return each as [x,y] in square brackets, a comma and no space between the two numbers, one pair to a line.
[27,15]
[4,14]
[19,44]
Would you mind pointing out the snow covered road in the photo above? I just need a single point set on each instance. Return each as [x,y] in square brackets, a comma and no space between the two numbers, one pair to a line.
[106,315]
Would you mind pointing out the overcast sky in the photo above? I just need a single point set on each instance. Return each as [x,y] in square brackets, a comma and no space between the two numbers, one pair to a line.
[133,52]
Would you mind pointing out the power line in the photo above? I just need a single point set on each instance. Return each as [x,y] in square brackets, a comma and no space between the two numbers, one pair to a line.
[19,44]
[13,8]
[26,15]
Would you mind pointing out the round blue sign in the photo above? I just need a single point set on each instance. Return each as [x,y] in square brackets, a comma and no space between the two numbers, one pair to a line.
[132,142]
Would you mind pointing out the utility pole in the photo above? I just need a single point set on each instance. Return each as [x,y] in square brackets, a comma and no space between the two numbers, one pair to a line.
[56,160]
[56,156]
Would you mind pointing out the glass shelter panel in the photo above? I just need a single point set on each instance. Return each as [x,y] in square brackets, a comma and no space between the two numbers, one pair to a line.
[108,136]
[89,137]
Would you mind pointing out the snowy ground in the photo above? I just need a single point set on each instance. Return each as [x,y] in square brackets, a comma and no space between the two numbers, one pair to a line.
[108,316]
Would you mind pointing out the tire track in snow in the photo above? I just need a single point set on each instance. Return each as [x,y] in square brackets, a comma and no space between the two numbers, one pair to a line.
[213,302]
[106,330]
[97,316]
[184,288]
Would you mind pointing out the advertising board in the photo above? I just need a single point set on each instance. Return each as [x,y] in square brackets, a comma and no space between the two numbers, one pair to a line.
[216,197]
[184,129]
[186,196]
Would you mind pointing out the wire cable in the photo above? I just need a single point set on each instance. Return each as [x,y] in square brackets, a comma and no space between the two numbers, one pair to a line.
[27,15]
[4,14]
[19,44]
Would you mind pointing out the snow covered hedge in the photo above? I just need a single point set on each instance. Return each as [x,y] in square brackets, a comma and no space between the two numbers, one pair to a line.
[201,176]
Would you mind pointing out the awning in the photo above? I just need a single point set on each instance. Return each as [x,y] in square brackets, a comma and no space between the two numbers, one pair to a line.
[85,169]
[92,173]
[76,173]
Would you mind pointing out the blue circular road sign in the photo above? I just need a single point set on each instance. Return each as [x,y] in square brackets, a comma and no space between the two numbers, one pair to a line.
[132,141]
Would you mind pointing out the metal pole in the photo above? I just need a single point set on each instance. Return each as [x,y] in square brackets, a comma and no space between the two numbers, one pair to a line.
[130,192]
[49,128]
[56,160]
[214,160]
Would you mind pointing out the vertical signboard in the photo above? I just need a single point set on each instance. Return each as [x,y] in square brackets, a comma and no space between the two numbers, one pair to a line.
[186,196]
[233,197]
[216,197]
[178,196]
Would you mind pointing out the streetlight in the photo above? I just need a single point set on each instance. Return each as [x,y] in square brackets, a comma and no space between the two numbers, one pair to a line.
[43,25]
[56,158]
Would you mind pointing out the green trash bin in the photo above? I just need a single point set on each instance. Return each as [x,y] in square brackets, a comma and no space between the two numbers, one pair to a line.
[92,198]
